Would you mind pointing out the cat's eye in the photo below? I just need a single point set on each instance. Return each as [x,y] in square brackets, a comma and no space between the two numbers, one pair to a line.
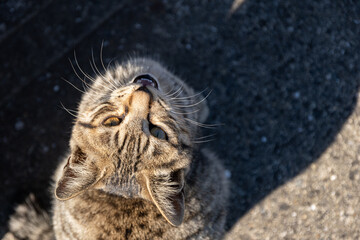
[158,133]
[112,121]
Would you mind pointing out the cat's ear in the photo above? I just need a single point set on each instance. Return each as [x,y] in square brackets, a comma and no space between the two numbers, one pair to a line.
[76,177]
[167,193]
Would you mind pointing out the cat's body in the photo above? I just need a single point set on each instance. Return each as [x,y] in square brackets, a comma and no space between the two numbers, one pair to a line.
[97,215]
[133,171]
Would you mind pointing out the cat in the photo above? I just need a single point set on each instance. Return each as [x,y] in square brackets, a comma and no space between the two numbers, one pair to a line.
[133,170]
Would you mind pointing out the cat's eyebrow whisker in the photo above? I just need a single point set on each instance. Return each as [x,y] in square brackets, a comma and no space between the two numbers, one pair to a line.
[77,75]
[97,70]
[68,110]
[81,70]
[113,87]
[85,85]
[101,55]
[108,65]
[107,73]
[73,85]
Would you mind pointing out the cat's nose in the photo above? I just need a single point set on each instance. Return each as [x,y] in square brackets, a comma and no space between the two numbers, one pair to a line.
[139,104]
[144,89]
[146,80]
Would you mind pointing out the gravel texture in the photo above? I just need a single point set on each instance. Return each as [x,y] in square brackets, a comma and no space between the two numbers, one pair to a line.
[284,77]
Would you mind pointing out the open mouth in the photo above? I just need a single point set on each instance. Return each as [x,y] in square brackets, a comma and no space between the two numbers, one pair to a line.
[146,80]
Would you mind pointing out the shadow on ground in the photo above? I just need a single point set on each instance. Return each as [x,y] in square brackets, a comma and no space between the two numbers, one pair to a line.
[284,76]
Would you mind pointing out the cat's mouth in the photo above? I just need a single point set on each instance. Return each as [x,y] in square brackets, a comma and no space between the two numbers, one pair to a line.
[146,80]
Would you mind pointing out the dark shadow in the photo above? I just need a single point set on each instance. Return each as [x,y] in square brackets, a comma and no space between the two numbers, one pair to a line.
[284,76]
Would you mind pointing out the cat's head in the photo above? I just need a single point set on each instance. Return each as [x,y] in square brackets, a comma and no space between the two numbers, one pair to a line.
[133,137]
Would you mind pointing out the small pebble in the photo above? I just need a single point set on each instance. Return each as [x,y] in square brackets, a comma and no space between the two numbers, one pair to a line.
[333,177]
[56,88]
[2,27]
[227,173]
[45,149]
[19,125]
[328,76]
[296,95]
[313,207]
[350,211]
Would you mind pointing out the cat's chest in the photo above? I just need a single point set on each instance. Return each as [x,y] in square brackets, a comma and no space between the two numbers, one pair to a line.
[110,218]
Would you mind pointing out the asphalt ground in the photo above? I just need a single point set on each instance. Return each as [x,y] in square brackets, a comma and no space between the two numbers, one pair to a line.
[284,77]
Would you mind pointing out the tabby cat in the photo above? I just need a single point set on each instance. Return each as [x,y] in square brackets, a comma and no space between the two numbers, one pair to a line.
[133,170]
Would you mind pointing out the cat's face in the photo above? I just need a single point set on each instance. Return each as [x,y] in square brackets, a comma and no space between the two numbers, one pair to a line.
[133,137]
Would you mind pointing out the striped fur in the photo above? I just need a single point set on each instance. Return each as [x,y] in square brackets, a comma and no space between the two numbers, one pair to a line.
[121,182]
[30,222]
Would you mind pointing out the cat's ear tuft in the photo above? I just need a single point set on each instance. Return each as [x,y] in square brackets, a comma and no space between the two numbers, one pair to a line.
[167,193]
[76,177]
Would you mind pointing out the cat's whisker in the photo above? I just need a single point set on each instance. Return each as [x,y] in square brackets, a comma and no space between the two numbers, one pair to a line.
[205,141]
[108,65]
[81,70]
[77,75]
[113,87]
[190,97]
[204,125]
[167,93]
[182,106]
[68,110]
[172,94]
[73,85]
[85,85]
[195,104]
[182,113]
[179,93]
[101,55]
[204,137]
[96,68]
